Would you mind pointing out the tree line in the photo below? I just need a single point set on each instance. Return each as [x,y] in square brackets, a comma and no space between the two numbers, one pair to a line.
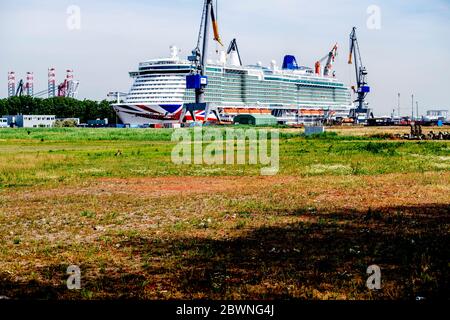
[61,107]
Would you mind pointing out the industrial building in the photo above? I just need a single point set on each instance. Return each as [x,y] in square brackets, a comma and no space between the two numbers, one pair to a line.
[436,115]
[31,121]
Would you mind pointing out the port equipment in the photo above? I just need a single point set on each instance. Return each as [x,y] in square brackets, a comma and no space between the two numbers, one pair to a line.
[51,85]
[23,87]
[40,94]
[362,88]
[29,86]
[62,89]
[51,89]
[198,80]
[234,48]
[51,82]
[20,87]
[68,88]
[329,58]
[11,84]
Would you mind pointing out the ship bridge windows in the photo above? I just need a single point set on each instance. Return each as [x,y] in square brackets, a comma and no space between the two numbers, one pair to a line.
[166,68]
[213,69]
[235,71]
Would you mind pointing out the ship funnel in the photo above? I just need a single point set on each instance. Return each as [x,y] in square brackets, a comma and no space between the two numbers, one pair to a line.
[290,63]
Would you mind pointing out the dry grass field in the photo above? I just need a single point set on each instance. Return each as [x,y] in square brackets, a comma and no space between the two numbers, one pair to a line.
[141,227]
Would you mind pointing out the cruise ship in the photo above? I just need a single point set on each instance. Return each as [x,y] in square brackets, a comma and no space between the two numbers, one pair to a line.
[292,93]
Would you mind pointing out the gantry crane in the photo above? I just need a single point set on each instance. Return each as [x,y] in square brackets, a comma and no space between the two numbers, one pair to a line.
[330,58]
[362,89]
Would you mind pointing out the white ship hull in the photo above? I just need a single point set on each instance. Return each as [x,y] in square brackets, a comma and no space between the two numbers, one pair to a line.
[142,114]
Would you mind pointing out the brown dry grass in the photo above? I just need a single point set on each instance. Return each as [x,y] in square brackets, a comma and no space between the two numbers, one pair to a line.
[229,237]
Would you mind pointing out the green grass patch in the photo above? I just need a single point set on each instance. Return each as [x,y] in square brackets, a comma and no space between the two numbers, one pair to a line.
[30,157]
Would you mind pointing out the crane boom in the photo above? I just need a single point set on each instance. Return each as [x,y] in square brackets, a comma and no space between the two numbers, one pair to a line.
[330,58]
[19,91]
[234,47]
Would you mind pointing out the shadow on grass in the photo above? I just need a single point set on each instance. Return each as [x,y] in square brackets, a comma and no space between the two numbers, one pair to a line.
[302,260]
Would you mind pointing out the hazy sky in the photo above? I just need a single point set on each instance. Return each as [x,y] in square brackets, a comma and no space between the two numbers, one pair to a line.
[408,54]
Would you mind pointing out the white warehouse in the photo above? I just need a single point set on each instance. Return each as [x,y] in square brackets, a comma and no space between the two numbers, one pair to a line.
[31,121]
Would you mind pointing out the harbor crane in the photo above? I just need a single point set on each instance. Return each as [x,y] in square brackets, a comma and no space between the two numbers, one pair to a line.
[234,48]
[329,58]
[198,80]
[68,88]
[62,89]
[20,87]
[65,89]
[362,88]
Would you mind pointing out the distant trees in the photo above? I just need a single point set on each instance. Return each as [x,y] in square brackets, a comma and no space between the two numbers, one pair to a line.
[61,107]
